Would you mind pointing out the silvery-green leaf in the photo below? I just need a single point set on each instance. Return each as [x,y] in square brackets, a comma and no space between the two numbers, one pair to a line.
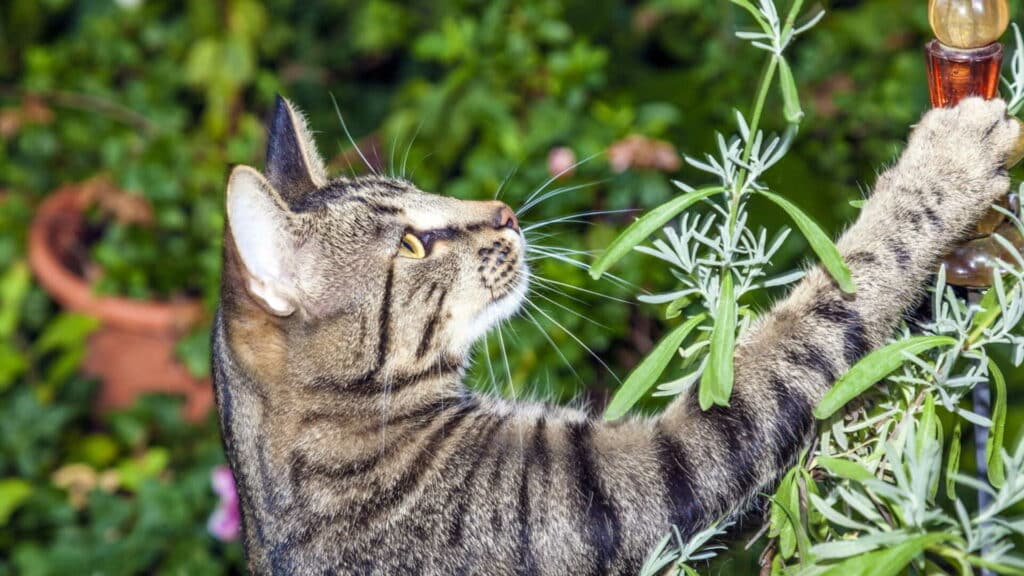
[664,298]
[889,561]
[974,418]
[741,122]
[974,483]
[872,368]
[659,558]
[994,444]
[861,504]
[843,468]
[953,462]
[648,371]
[839,433]
[819,241]
[834,517]
[644,226]
[790,96]
[716,382]
[842,548]
[784,279]
[677,387]
[683,186]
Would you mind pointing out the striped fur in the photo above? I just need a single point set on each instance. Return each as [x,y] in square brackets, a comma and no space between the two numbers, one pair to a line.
[357,450]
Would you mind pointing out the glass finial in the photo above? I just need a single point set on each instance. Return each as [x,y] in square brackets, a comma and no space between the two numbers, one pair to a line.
[967,24]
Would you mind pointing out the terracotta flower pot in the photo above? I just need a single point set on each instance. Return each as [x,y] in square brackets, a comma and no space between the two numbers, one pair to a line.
[133,351]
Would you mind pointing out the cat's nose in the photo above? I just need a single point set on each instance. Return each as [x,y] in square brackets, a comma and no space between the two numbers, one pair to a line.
[504,217]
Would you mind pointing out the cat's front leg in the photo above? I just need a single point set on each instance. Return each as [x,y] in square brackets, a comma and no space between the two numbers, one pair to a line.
[952,171]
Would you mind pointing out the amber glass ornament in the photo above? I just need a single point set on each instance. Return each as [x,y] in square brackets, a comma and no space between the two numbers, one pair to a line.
[955,74]
[966,56]
[972,263]
[967,24]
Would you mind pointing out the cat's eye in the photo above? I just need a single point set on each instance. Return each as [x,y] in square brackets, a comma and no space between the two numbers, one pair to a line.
[411,247]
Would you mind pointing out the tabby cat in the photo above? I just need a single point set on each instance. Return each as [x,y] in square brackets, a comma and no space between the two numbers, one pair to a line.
[349,309]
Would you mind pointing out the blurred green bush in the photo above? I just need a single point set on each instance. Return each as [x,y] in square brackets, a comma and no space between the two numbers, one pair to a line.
[462,95]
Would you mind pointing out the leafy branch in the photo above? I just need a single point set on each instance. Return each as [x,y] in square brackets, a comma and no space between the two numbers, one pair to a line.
[715,270]
[868,498]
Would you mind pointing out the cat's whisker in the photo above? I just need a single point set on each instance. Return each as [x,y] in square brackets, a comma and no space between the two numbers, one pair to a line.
[561,173]
[544,249]
[351,169]
[376,152]
[508,177]
[547,337]
[536,288]
[535,236]
[556,251]
[391,160]
[515,394]
[584,266]
[350,139]
[487,359]
[526,206]
[571,311]
[422,160]
[539,256]
[556,291]
[574,218]
[405,157]
[545,280]
[534,255]
[593,354]
[504,356]
[560,250]
[561,221]
[551,194]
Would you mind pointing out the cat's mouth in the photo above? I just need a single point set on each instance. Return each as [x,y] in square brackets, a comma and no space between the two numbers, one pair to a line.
[504,277]
[501,269]
[507,298]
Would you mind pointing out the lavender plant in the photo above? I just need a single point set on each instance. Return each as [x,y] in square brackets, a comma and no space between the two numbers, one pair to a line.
[717,257]
[881,491]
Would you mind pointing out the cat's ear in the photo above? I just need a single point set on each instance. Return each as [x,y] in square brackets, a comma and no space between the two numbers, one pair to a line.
[261,227]
[294,166]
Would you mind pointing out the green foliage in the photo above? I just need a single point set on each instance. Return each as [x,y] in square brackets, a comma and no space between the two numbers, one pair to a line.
[467,98]
[872,507]
[819,241]
[648,371]
[643,227]
[13,491]
[994,445]
[873,368]
[716,382]
[145,513]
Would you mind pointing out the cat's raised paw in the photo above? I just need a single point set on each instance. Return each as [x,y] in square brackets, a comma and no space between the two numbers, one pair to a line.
[976,134]
[964,151]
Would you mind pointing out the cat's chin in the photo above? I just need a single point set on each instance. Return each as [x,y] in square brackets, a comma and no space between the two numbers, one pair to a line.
[500,308]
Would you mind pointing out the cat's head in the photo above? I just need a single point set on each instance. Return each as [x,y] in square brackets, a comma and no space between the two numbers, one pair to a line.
[367,274]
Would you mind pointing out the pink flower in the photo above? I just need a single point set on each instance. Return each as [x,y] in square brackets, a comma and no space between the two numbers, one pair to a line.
[620,155]
[636,151]
[561,162]
[225,523]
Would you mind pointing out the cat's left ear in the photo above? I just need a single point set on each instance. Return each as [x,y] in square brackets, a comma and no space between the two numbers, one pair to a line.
[262,228]
[294,167]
